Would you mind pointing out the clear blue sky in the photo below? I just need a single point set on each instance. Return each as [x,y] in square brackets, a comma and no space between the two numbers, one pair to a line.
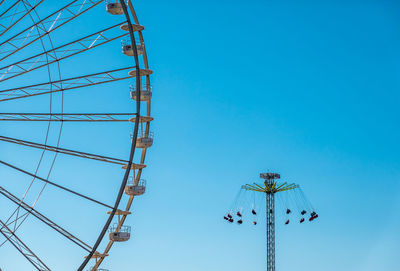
[309,90]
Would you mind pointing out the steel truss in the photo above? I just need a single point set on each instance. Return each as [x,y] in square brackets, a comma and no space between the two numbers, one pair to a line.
[62,52]
[22,248]
[64,151]
[44,219]
[54,184]
[14,15]
[270,203]
[76,117]
[45,26]
[65,84]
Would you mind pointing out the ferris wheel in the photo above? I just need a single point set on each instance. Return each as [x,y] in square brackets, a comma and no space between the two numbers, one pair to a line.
[68,171]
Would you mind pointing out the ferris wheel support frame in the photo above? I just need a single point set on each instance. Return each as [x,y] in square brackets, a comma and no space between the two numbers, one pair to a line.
[74,83]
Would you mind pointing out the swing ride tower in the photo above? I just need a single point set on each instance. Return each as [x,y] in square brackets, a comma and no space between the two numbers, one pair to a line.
[270,188]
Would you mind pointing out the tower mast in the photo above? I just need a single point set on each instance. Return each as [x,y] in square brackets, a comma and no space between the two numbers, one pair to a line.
[270,188]
[270,202]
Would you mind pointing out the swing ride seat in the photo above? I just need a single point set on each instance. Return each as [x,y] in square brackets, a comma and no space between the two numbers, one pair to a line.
[313,216]
[121,235]
[114,8]
[293,203]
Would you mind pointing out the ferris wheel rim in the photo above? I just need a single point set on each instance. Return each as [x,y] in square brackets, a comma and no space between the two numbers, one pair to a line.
[128,7]
[131,156]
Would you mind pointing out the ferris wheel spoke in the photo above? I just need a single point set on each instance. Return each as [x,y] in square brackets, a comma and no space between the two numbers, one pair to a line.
[22,248]
[16,15]
[62,52]
[45,26]
[44,219]
[54,184]
[63,117]
[10,9]
[64,151]
[65,84]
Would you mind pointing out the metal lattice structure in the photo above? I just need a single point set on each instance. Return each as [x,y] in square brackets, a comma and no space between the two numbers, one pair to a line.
[270,188]
[270,204]
[31,68]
